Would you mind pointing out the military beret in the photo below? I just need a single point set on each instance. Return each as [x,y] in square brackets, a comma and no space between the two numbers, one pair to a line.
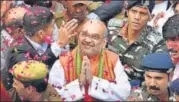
[171,27]
[160,62]
[30,70]
[174,86]
[145,3]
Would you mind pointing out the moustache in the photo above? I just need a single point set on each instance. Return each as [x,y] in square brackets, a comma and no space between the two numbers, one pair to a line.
[81,14]
[88,44]
[154,88]
[172,50]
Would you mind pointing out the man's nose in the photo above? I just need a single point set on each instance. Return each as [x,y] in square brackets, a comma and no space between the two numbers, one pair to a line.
[137,16]
[87,39]
[153,82]
[78,9]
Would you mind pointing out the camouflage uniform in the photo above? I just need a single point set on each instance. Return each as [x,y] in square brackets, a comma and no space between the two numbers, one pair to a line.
[149,41]
[141,94]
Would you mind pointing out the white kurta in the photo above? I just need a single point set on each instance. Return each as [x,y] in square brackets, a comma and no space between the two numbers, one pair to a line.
[100,88]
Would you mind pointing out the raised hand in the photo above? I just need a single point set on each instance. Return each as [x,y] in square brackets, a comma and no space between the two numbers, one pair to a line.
[66,32]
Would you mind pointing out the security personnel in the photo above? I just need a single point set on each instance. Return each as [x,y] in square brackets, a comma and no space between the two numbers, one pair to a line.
[135,40]
[158,68]
[30,82]
[174,87]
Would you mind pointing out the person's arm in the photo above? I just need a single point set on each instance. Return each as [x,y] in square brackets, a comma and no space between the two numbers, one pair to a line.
[118,90]
[68,92]
[107,11]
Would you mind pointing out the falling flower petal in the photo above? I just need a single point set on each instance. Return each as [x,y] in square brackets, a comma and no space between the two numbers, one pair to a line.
[46,80]
[48,39]
[11,70]
[19,76]
[9,30]
[26,67]
[2,49]
[44,58]
[73,97]
[107,1]
[36,57]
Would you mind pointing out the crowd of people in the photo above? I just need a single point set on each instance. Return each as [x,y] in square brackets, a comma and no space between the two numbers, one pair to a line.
[84,50]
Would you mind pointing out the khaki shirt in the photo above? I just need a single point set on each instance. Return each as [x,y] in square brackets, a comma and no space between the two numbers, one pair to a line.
[50,94]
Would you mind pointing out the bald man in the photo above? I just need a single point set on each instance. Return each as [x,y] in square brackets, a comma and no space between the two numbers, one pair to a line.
[90,72]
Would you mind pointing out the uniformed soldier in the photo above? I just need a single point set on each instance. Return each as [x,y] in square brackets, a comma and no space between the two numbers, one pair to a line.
[136,39]
[174,87]
[158,72]
[30,82]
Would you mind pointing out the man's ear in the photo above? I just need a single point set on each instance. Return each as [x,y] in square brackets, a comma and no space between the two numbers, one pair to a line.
[171,76]
[41,34]
[151,16]
[104,43]
[127,13]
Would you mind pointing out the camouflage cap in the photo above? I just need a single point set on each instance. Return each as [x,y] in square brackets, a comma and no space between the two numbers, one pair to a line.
[30,71]
[144,3]
[171,27]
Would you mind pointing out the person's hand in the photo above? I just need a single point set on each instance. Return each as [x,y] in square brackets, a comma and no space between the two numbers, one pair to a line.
[66,32]
[156,19]
[123,31]
[89,75]
[82,78]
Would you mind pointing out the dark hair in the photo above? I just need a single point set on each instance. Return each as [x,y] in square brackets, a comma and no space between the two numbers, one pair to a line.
[36,19]
[40,85]
[171,27]
[44,3]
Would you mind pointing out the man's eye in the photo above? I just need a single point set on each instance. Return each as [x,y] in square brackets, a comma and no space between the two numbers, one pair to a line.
[95,37]
[134,11]
[84,34]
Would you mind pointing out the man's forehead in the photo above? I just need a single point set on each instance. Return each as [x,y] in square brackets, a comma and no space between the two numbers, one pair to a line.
[140,8]
[155,74]
[75,2]
[94,26]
